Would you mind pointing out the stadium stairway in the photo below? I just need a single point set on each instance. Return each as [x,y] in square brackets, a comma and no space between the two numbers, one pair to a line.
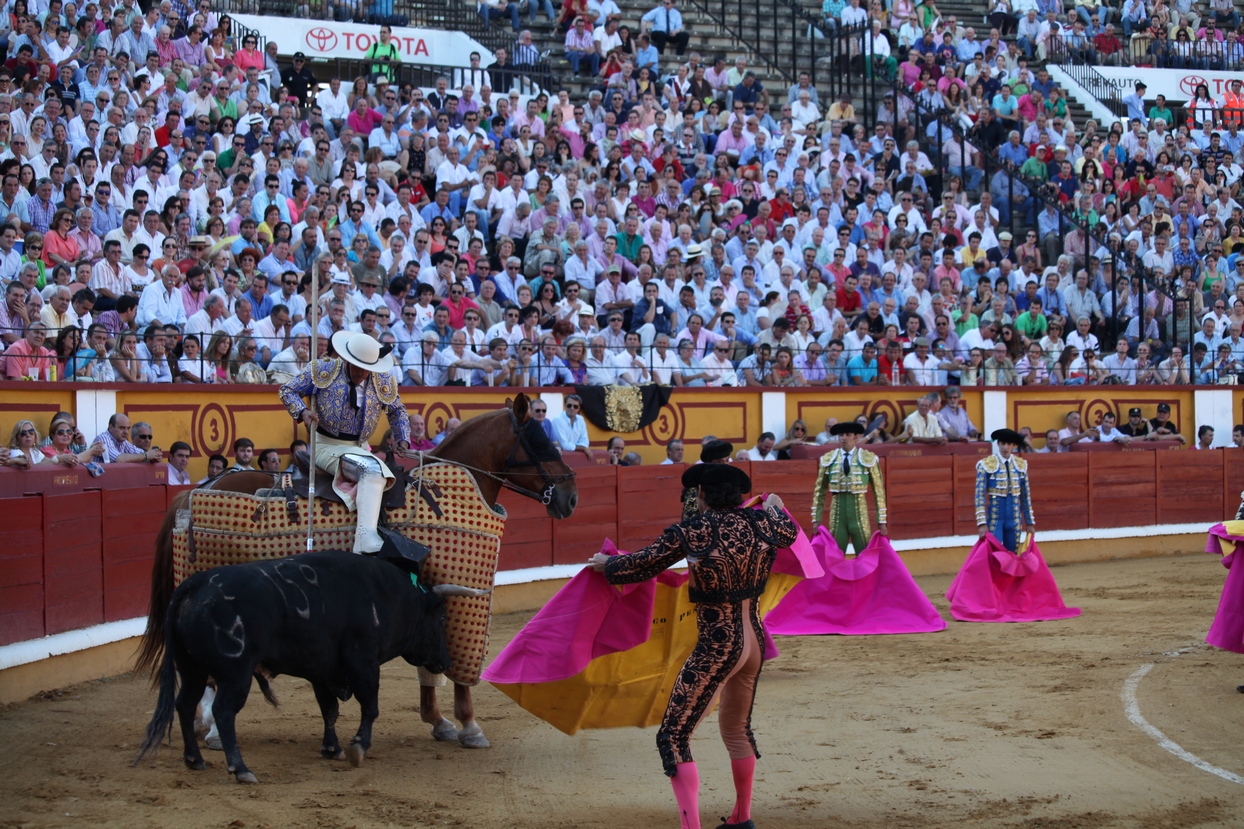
[707,38]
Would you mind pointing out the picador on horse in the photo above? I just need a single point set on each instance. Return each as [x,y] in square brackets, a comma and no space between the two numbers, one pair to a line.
[349,394]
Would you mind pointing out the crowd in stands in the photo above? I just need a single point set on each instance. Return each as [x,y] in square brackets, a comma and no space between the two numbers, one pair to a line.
[176,205]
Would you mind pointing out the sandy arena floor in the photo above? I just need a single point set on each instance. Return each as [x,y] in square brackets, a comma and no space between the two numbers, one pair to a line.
[978,726]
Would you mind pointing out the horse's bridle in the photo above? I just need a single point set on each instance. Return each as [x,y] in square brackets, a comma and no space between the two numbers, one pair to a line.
[550,481]
[512,462]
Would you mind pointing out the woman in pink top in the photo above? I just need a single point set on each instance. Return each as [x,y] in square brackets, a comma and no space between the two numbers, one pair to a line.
[58,247]
[249,55]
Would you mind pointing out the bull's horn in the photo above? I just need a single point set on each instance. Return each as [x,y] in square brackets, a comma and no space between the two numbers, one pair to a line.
[459,590]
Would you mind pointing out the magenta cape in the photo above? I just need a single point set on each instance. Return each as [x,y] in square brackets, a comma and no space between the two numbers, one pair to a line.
[995,585]
[590,618]
[870,594]
[1227,631]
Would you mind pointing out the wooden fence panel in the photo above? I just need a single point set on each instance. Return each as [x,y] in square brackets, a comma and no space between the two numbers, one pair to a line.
[528,538]
[649,500]
[131,520]
[1060,490]
[1122,489]
[1190,486]
[793,481]
[920,492]
[73,564]
[21,570]
[579,536]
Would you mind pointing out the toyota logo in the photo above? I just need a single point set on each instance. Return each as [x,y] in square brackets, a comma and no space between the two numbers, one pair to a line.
[1189,84]
[321,39]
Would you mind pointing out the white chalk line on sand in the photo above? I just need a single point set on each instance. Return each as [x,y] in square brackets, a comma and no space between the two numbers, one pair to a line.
[1132,708]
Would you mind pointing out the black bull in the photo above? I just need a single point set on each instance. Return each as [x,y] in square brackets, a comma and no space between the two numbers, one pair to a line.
[332,618]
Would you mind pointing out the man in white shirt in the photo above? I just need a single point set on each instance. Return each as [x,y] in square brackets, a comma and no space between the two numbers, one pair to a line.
[603,369]
[1121,365]
[1072,433]
[763,450]
[981,338]
[426,365]
[920,365]
[161,301]
[207,320]
[922,426]
[661,361]
[570,429]
[273,333]
[454,178]
[717,363]
[335,106]
[673,452]
[178,460]
[1081,338]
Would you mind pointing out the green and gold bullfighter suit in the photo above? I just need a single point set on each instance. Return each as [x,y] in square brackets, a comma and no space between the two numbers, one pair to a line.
[847,476]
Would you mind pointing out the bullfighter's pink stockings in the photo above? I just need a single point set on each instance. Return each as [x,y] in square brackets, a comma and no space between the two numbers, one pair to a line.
[686,785]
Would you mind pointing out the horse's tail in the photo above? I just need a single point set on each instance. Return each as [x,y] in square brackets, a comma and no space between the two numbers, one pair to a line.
[161,724]
[153,640]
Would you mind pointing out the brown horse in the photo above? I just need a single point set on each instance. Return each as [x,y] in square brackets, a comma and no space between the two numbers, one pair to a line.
[502,449]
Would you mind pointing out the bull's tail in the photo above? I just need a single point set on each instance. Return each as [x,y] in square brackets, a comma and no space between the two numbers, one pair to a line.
[266,687]
[161,724]
[152,644]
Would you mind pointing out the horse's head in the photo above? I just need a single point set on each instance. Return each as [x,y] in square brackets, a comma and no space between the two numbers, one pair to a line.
[508,448]
[535,466]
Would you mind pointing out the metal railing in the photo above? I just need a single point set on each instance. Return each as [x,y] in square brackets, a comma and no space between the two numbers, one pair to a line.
[527,80]
[1109,92]
[789,39]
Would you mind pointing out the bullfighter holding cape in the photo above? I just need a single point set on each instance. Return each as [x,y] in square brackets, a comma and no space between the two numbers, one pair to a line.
[1227,539]
[628,642]
[870,593]
[1004,578]
[350,392]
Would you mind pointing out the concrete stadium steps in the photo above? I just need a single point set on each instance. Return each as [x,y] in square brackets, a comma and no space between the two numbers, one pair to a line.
[707,38]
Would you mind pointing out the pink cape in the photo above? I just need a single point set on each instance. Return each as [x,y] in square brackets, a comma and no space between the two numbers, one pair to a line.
[589,618]
[1227,631]
[869,594]
[995,585]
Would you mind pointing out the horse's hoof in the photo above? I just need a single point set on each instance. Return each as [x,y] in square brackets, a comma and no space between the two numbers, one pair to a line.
[214,744]
[332,754]
[473,737]
[444,731]
[246,777]
[1240,688]
[194,764]
[355,754]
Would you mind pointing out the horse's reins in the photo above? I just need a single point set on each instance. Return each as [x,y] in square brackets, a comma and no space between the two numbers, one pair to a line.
[551,481]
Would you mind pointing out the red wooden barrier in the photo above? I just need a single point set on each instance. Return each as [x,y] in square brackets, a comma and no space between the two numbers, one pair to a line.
[1189,487]
[131,520]
[921,496]
[21,569]
[73,576]
[528,540]
[649,499]
[577,537]
[61,480]
[1123,489]
[72,560]
[1060,490]
[1233,485]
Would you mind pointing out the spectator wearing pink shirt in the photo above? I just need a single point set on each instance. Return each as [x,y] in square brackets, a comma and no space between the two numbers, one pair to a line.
[27,358]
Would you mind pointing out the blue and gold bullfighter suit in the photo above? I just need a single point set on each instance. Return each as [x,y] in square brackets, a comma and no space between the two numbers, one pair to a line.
[348,415]
[1003,498]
